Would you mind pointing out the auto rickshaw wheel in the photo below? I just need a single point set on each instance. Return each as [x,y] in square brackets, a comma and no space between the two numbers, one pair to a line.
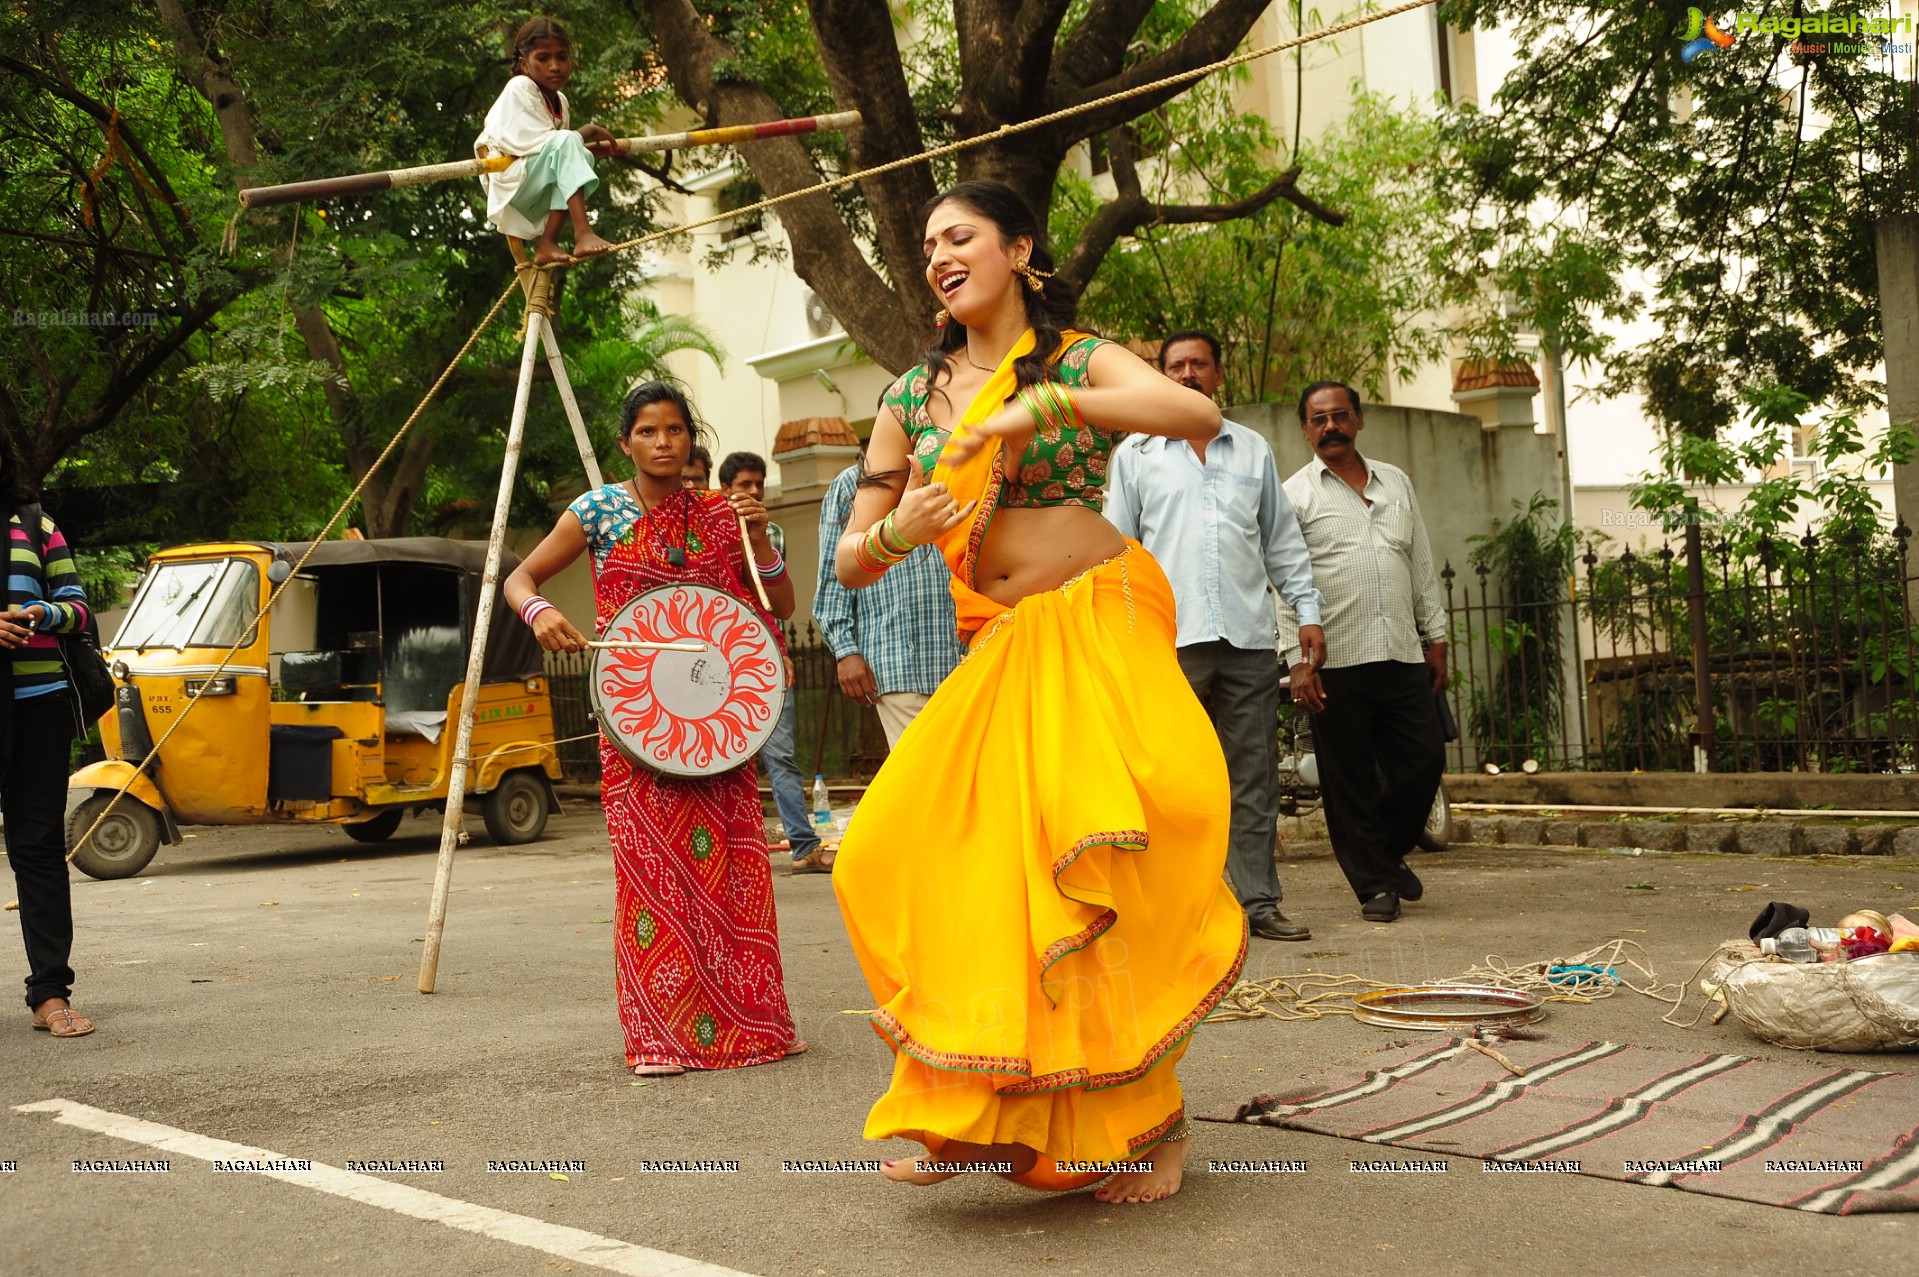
[379,829]
[125,842]
[517,809]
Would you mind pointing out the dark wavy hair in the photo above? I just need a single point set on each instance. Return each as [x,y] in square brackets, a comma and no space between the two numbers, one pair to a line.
[1310,391]
[534,30]
[1053,307]
[652,392]
[15,491]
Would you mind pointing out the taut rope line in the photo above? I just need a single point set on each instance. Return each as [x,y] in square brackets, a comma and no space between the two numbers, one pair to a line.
[1192,76]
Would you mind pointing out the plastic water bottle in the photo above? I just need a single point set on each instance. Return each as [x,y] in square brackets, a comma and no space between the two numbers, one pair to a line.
[822,810]
[1792,944]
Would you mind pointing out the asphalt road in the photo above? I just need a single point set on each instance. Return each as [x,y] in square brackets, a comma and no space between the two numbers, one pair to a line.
[257,986]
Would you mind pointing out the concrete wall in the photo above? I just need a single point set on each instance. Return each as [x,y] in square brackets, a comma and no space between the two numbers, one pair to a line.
[1773,791]
[1465,475]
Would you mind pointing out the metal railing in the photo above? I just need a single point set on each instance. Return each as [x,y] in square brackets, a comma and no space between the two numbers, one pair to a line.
[833,735]
[1777,655]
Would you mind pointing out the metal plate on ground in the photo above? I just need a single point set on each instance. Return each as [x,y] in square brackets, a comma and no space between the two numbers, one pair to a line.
[1448,1007]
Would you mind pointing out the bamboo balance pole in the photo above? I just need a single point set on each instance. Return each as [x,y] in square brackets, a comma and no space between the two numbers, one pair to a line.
[327,188]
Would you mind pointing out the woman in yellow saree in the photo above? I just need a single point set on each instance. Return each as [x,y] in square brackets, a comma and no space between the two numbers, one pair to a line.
[1033,882]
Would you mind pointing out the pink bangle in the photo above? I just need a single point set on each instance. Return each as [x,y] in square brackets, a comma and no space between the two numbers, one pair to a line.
[531,609]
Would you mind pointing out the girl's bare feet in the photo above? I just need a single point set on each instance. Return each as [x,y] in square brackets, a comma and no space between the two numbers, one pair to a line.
[957,1157]
[1168,1167]
[587,244]
[547,253]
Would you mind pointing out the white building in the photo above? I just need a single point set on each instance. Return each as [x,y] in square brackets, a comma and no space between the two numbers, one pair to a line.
[789,361]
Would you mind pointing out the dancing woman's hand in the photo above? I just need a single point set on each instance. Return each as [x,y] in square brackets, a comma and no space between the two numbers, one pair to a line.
[1013,424]
[927,511]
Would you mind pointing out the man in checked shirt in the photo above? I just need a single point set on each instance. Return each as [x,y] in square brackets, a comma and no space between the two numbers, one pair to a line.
[1375,722]
[897,639]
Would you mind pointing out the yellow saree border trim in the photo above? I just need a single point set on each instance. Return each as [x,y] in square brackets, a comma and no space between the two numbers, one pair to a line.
[889,1026]
[1140,1143]
[1131,840]
[1123,839]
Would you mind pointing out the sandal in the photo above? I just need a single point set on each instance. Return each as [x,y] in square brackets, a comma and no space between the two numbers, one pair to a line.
[796,1047]
[63,1022]
[657,1070]
[813,862]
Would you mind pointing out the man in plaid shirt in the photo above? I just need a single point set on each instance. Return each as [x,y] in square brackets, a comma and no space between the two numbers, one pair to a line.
[897,639]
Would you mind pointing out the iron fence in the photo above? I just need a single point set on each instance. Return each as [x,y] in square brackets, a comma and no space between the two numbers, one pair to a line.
[1768,655]
[833,735]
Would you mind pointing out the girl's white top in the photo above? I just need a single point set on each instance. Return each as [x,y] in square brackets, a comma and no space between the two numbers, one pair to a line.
[518,125]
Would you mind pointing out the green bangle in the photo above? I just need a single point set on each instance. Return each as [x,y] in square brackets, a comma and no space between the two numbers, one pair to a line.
[892,539]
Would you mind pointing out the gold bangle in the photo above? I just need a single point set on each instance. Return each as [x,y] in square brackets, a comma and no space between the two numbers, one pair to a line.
[877,546]
[1063,401]
[865,562]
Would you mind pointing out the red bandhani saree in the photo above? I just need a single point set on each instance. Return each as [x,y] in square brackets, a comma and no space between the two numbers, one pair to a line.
[696,946]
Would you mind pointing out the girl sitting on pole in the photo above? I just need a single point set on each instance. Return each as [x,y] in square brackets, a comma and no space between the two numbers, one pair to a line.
[551,174]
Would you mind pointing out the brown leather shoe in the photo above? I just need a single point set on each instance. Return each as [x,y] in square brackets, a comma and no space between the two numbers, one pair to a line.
[62,1022]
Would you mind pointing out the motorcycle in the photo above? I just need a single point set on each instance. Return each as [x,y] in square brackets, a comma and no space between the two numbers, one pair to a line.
[1299,774]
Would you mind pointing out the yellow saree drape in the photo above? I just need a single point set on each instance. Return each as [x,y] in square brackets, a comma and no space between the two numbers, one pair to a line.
[1033,882]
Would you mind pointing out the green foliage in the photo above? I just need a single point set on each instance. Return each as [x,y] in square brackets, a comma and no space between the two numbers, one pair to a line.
[236,420]
[1742,188]
[1292,299]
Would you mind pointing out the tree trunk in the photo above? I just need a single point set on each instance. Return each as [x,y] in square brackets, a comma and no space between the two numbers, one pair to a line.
[1014,66]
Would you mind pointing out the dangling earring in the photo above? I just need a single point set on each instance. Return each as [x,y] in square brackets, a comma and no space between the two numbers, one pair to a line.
[939,320]
[1032,277]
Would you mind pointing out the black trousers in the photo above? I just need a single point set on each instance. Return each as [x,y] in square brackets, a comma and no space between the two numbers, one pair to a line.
[1380,758]
[33,800]
[1240,691]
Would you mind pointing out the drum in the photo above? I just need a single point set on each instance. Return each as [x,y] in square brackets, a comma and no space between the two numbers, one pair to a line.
[685,713]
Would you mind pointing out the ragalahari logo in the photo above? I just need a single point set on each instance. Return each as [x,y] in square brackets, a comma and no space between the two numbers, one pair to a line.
[1702,36]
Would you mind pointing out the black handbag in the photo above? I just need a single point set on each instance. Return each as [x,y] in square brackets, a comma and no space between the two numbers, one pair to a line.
[87,672]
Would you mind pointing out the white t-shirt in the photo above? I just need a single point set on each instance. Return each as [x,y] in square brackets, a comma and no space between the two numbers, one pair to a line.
[518,124]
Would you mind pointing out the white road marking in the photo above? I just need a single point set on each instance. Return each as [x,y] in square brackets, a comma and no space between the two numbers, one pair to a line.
[402,1199]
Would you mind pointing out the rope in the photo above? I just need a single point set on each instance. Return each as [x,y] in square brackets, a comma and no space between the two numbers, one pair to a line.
[1313,995]
[831,184]
[1026,126]
[227,658]
[1581,979]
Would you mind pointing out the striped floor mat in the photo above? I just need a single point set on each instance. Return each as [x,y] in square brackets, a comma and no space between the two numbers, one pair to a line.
[1836,1141]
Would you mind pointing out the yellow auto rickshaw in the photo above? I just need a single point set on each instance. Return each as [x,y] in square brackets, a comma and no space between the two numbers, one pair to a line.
[340,706]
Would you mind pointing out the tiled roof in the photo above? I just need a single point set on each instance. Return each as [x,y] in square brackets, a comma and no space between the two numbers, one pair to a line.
[1478,374]
[804,432]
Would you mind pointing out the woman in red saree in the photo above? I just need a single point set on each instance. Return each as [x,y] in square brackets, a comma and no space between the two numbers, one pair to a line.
[1033,882]
[696,945]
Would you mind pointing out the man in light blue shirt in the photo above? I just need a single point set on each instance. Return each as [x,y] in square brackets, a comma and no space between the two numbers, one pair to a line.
[1214,515]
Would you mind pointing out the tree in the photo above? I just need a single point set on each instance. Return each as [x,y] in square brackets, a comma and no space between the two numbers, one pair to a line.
[1742,188]
[341,315]
[109,274]
[1004,62]
[1291,296]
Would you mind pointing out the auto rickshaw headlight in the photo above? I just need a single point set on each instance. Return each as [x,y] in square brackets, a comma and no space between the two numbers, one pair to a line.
[221,686]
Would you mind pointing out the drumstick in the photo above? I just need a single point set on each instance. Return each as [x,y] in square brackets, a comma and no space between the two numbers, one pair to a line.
[643,645]
[759,586]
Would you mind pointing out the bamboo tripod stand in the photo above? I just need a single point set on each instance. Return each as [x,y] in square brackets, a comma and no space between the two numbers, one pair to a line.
[537,285]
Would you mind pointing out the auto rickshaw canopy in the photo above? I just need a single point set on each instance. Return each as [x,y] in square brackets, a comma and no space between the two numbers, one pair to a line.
[511,651]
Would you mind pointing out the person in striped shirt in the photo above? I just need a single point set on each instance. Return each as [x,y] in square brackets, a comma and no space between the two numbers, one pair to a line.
[44,600]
